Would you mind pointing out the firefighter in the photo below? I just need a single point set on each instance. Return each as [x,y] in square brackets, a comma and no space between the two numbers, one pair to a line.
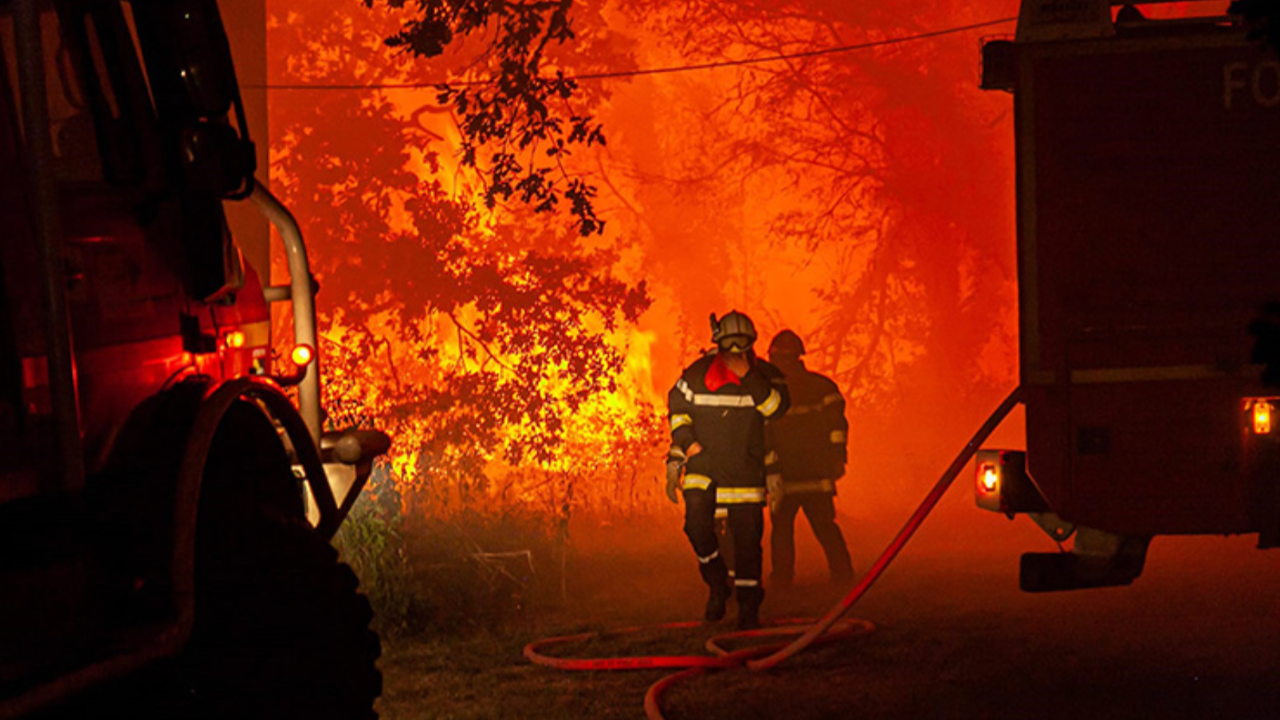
[717,412]
[809,447]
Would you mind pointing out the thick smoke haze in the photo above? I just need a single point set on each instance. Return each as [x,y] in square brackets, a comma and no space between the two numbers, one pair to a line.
[863,199]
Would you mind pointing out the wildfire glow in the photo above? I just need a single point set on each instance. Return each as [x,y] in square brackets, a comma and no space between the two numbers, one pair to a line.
[868,206]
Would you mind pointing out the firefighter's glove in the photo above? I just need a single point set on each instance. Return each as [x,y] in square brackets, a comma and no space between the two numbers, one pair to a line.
[673,480]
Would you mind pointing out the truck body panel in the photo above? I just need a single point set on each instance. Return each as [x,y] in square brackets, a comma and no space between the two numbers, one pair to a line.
[1148,240]
[144,430]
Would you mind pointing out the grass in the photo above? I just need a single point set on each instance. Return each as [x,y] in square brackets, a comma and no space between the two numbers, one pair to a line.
[633,574]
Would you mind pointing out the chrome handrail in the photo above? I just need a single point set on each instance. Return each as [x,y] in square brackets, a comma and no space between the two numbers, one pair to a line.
[301,294]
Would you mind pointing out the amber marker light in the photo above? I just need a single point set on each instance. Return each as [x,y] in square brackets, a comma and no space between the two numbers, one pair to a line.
[1262,411]
[301,355]
[235,339]
[988,477]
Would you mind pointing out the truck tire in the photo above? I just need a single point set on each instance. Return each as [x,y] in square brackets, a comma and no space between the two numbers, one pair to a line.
[280,629]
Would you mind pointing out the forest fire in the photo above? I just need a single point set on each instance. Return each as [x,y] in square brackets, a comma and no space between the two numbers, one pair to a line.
[871,217]
[519,217]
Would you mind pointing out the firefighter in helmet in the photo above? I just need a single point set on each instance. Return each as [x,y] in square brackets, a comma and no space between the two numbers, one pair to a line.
[717,411]
[809,446]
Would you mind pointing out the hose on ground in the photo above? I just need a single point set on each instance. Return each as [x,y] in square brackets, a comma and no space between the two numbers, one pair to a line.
[913,523]
[762,657]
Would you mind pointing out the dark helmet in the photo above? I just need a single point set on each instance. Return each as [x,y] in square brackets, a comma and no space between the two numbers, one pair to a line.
[786,343]
[733,333]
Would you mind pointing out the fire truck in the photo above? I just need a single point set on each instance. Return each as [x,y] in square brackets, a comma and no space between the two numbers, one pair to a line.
[1148,243]
[167,489]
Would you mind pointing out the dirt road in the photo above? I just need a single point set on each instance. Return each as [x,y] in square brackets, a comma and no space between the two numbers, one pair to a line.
[1198,636]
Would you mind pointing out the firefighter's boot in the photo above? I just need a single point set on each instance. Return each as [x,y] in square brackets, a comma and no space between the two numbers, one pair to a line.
[716,575]
[749,600]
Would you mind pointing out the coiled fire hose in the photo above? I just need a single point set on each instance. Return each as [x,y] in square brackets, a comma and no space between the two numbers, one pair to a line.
[762,657]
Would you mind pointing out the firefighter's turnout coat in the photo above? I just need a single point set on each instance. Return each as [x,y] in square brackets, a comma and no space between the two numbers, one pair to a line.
[726,415]
[809,445]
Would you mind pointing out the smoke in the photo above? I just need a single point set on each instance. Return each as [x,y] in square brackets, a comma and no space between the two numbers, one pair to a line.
[863,199]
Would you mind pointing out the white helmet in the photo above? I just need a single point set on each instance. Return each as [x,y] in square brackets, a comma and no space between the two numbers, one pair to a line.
[733,333]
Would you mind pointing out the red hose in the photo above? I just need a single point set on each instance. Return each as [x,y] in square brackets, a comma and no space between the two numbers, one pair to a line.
[926,506]
[653,697]
[533,653]
[763,657]
[720,657]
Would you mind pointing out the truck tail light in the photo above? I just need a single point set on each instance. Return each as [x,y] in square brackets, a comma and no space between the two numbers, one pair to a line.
[1002,484]
[987,490]
[988,477]
[1259,414]
[1262,418]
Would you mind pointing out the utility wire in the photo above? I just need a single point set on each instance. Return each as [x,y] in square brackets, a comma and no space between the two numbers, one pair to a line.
[660,70]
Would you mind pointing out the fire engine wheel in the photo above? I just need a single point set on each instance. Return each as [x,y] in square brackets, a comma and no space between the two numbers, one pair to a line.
[280,630]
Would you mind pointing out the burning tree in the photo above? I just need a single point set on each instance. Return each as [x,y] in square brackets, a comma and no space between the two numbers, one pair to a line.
[479,307]
[814,170]
[472,336]
[880,155]
[519,114]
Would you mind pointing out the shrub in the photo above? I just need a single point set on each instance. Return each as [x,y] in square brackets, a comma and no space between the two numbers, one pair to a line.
[476,568]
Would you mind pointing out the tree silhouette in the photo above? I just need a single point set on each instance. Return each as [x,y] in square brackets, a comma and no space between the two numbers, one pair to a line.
[870,146]
[849,190]
[513,103]
[469,337]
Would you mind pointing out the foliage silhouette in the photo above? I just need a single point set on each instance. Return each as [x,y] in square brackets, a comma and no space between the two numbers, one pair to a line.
[519,113]
[470,338]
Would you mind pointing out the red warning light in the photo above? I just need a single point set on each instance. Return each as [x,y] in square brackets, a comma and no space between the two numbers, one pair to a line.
[301,355]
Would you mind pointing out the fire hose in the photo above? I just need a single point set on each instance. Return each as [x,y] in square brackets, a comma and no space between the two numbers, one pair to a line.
[828,628]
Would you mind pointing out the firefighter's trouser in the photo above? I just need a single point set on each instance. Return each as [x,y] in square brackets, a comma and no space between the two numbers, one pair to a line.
[746,526]
[820,508]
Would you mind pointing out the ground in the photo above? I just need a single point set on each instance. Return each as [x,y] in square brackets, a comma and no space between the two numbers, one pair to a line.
[1198,636]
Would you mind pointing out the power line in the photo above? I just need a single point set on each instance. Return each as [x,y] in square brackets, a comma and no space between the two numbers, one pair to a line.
[660,70]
